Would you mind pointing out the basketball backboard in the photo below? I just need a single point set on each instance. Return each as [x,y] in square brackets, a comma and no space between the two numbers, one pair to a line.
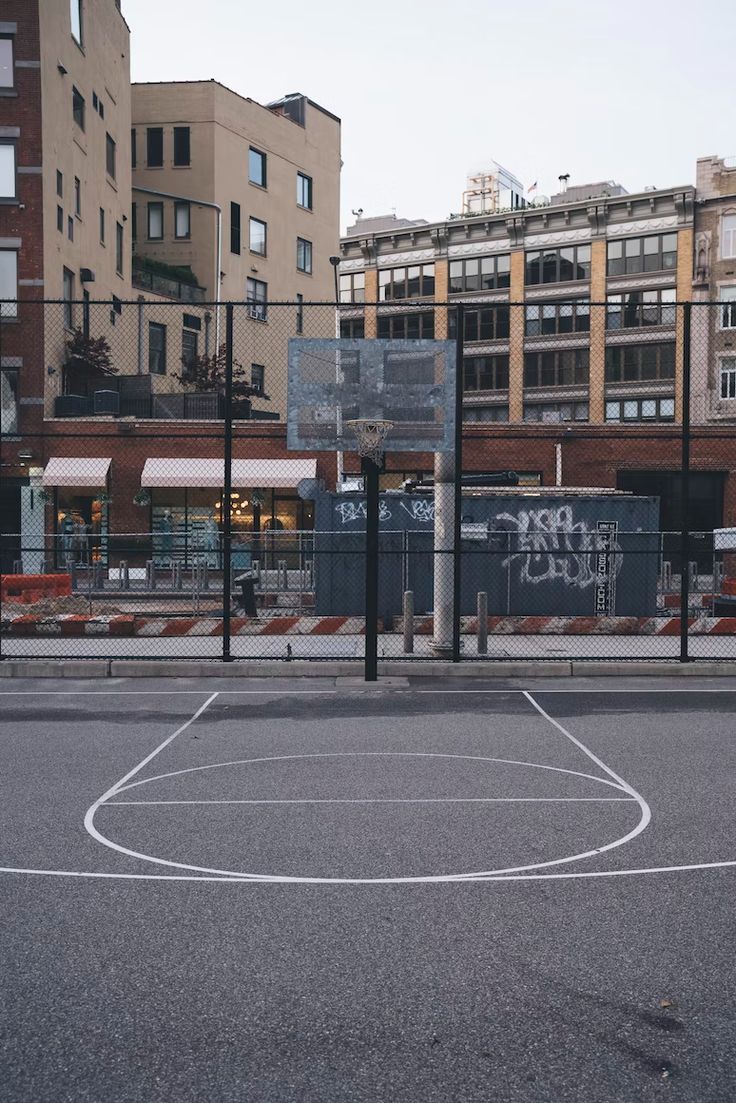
[409,383]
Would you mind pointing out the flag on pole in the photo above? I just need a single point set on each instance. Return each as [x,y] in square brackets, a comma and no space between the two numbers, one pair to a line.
[530,190]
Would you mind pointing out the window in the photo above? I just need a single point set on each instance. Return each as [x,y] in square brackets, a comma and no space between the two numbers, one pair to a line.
[303,255]
[182,227]
[636,363]
[70,228]
[59,184]
[406,283]
[552,412]
[257,377]
[304,191]
[553,318]
[189,350]
[68,297]
[155,221]
[156,348]
[257,167]
[8,283]
[558,265]
[480,273]
[485,373]
[77,197]
[300,313]
[102,225]
[234,227]
[486,413]
[75,12]
[181,145]
[78,107]
[101,109]
[119,248]
[154,147]
[134,221]
[407,327]
[60,219]
[8,401]
[561,368]
[257,236]
[352,328]
[635,309]
[110,155]
[642,254]
[7,170]
[133,149]
[7,66]
[640,409]
[728,236]
[352,288]
[727,298]
[490,324]
[256,293]
[728,377]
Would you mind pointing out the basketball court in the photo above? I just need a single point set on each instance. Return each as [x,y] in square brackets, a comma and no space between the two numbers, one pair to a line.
[317,889]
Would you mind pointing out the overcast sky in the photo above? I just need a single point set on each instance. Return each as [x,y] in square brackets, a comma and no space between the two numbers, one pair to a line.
[627,90]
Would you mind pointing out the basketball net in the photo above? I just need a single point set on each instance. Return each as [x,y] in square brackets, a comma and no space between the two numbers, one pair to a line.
[371,437]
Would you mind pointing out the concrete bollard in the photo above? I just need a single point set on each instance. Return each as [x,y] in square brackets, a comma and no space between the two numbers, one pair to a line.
[150,575]
[408,622]
[482,622]
[256,568]
[693,569]
[124,575]
[666,576]
[176,579]
[281,575]
[17,566]
[98,579]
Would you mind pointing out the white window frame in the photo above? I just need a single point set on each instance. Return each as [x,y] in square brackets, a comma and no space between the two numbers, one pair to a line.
[157,207]
[9,282]
[727,295]
[728,235]
[76,8]
[182,220]
[730,373]
[12,163]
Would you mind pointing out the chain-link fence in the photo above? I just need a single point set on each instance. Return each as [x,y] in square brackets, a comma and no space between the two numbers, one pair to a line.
[150,507]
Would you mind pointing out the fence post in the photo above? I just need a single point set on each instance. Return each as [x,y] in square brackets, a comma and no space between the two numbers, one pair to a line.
[408,622]
[685,486]
[482,623]
[456,552]
[228,486]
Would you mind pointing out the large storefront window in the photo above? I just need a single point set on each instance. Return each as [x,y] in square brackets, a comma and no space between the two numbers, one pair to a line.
[81,528]
[187,526]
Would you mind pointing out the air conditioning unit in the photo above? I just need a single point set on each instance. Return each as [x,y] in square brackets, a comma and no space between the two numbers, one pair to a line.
[71,405]
[257,311]
[106,402]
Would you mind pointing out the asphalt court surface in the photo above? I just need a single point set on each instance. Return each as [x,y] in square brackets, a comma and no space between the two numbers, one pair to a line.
[309,889]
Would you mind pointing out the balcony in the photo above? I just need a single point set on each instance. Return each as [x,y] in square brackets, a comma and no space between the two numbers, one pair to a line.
[167,280]
[131,397]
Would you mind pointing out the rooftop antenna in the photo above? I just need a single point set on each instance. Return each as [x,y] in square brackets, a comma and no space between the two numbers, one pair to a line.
[358,213]
[563,178]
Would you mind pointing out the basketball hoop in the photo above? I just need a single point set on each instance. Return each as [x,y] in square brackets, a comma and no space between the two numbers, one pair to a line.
[371,436]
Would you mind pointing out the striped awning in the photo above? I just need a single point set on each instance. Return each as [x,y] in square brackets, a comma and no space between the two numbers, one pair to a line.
[86,471]
[202,473]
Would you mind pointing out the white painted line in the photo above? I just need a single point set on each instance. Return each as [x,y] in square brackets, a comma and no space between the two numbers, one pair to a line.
[177,877]
[386,800]
[89,818]
[288,879]
[278,691]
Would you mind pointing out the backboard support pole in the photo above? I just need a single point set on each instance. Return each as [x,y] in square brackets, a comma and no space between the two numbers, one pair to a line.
[371,473]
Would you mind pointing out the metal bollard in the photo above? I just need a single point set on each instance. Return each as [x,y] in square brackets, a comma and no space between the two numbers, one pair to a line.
[98,576]
[256,568]
[281,575]
[17,566]
[176,580]
[124,575]
[482,622]
[150,575]
[666,576]
[693,569]
[408,622]
[205,574]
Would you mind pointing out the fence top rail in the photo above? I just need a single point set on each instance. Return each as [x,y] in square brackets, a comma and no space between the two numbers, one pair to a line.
[461,299]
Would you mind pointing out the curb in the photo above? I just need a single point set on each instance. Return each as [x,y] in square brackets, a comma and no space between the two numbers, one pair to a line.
[295,668]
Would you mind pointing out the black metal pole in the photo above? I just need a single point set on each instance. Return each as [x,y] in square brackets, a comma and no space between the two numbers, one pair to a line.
[370,476]
[685,486]
[227,486]
[456,553]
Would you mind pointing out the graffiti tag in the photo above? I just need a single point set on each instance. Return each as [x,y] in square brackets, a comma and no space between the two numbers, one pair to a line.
[549,544]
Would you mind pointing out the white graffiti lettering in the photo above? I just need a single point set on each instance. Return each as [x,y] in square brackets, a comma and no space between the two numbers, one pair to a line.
[549,544]
[420,509]
[349,512]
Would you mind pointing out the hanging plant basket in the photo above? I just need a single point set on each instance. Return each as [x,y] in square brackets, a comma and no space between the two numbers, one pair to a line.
[142,498]
[44,495]
[104,497]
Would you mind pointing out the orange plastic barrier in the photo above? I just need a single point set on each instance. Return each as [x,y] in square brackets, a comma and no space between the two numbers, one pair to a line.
[26,589]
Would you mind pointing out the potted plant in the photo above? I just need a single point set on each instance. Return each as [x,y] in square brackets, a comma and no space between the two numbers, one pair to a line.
[206,373]
[87,358]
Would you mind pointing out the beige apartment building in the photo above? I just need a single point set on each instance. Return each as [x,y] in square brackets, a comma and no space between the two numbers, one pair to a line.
[245,197]
[714,329]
